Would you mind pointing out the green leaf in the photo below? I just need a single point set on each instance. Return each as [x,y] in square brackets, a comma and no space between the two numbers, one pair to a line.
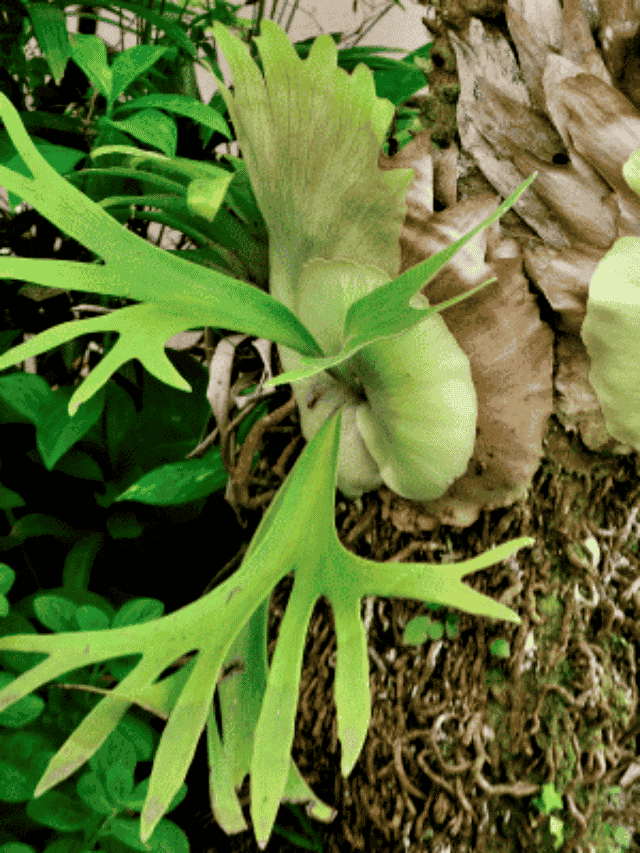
[126,830]
[452,625]
[57,430]
[58,811]
[178,299]
[241,198]
[129,64]
[10,499]
[151,127]
[23,756]
[549,799]
[62,159]
[90,618]
[631,171]
[183,168]
[166,837]
[556,828]
[73,598]
[138,611]
[137,798]
[92,793]
[394,79]
[622,836]
[420,629]
[23,712]
[296,838]
[77,463]
[143,737]
[116,749]
[50,26]
[55,612]
[303,47]
[180,105]
[119,783]
[500,648]
[26,393]
[205,195]
[90,54]
[344,578]
[179,482]
[7,574]
[17,623]
[334,229]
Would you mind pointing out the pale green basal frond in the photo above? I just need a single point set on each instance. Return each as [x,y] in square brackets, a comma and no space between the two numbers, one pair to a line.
[410,406]
[419,419]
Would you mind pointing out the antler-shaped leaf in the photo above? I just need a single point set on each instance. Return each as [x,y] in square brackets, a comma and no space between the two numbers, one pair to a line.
[323,567]
[133,268]
[143,330]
